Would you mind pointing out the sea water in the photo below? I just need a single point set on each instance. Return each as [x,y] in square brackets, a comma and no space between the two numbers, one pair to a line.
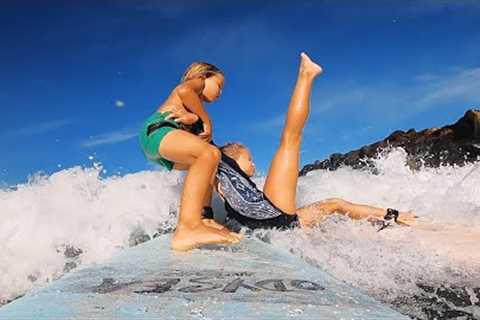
[54,223]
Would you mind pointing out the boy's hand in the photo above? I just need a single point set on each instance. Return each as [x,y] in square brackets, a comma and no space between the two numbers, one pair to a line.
[183,117]
[407,218]
[206,135]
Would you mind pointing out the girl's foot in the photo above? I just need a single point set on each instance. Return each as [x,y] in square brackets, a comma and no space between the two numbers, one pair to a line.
[308,67]
[186,239]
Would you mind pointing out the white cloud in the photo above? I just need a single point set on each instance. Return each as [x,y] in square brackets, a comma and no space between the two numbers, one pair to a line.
[463,85]
[274,124]
[109,138]
[345,96]
[400,100]
[37,128]
[386,102]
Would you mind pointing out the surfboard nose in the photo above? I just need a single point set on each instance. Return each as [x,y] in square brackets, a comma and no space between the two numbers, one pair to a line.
[253,280]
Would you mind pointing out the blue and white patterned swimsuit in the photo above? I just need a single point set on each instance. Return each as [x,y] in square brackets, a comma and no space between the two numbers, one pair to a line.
[245,203]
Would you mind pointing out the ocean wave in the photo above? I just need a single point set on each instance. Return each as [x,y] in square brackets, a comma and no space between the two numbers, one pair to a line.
[55,223]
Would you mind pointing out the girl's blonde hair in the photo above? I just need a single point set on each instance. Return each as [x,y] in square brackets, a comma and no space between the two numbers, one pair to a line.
[200,69]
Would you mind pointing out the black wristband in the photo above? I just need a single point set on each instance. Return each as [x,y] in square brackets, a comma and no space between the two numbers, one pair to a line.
[391,214]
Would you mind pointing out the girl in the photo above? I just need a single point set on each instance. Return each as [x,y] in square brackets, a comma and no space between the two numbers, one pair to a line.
[164,142]
[275,206]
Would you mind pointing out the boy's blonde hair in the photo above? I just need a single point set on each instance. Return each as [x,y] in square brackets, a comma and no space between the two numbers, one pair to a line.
[200,69]
[232,149]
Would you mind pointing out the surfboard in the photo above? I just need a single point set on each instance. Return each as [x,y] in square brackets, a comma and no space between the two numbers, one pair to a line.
[250,280]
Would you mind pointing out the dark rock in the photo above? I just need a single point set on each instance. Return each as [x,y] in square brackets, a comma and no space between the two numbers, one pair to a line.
[455,144]
[137,237]
[72,252]
[69,266]
[32,278]
[164,228]
[167,226]
[439,302]
[458,296]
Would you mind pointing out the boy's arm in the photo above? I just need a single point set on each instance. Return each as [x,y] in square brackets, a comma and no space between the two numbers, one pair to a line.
[190,92]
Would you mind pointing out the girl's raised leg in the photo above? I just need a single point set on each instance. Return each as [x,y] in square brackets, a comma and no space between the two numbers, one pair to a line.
[281,183]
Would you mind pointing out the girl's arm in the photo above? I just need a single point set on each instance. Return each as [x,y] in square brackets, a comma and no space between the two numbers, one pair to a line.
[182,116]
[189,92]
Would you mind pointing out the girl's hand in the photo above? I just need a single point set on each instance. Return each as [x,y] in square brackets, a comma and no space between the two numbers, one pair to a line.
[206,135]
[182,116]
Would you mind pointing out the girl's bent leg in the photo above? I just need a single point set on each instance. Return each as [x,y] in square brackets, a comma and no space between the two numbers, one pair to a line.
[202,159]
[281,183]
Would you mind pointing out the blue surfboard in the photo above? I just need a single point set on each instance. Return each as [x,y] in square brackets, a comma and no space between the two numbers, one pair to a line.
[250,280]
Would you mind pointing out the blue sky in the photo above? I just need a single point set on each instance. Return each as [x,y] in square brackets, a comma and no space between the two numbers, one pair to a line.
[65,66]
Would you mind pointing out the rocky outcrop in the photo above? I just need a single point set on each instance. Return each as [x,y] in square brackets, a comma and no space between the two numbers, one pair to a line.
[457,144]
[440,302]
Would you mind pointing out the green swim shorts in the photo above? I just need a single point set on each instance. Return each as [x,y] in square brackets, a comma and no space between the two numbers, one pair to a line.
[150,141]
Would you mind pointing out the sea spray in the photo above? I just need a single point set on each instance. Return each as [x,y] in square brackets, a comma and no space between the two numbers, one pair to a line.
[77,208]
[398,262]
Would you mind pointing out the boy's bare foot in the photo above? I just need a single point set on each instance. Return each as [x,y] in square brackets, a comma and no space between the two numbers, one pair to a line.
[213,224]
[308,67]
[186,239]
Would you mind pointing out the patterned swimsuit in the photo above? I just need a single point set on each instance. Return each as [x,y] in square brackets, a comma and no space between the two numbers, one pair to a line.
[245,203]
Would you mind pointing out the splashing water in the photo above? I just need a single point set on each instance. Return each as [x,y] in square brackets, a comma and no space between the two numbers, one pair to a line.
[45,219]
[442,252]
[74,216]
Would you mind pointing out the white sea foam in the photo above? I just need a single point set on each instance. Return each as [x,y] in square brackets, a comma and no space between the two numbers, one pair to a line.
[390,264]
[75,207]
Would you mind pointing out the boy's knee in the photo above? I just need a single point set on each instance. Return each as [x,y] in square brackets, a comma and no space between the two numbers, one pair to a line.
[216,154]
[212,154]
